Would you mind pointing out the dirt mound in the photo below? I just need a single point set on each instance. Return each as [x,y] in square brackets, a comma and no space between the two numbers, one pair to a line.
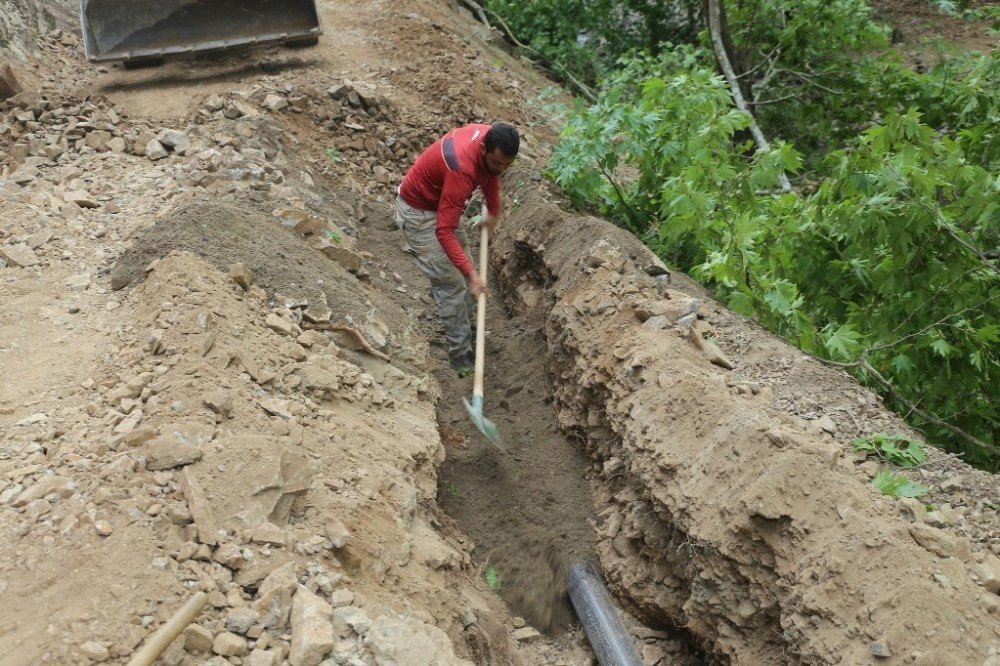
[226,233]
[280,262]
[720,513]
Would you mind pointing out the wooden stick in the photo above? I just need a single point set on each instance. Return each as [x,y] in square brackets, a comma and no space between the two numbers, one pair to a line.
[484,262]
[165,635]
[353,332]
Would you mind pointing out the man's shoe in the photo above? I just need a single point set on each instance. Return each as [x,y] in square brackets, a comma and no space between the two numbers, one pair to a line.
[464,364]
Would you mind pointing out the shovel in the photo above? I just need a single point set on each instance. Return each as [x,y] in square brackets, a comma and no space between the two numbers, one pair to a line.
[475,409]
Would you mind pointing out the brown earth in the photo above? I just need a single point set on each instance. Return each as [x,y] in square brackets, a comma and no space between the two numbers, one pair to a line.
[164,430]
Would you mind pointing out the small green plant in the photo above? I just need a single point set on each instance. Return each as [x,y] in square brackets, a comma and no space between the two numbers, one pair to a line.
[452,489]
[493,579]
[897,485]
[897,449]
[332,236]
[333,154]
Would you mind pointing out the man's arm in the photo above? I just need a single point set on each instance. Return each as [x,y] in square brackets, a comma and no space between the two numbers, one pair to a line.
[491,195]
[456,190]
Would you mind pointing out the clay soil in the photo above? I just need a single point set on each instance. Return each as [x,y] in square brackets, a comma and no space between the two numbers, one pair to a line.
[292,442]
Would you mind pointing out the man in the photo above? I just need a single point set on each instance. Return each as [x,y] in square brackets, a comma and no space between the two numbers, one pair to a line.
[429,207]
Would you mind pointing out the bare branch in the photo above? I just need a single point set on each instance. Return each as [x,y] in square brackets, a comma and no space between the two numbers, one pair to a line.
[888,386]
[765,102]
[814,84]
[715,28]
[545,64]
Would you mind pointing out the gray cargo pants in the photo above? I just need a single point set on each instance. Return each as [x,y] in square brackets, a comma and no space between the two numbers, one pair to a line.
[455,307]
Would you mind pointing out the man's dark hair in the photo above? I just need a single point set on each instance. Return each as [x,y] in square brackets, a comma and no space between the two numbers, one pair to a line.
[504,137]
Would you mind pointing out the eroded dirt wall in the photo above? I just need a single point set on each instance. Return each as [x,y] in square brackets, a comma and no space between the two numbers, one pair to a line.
[719,514]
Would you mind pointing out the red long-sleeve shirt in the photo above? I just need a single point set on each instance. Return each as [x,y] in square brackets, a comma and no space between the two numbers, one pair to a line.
[444,177]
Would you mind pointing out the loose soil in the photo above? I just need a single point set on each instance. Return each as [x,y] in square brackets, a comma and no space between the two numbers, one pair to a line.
[527,510]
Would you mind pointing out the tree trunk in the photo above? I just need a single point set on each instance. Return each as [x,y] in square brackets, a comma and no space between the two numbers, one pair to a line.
[719,31]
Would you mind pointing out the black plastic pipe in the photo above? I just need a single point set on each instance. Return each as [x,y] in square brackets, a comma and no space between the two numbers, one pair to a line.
[600,618]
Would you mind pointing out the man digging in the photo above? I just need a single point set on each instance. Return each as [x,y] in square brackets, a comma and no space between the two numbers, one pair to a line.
[429,207]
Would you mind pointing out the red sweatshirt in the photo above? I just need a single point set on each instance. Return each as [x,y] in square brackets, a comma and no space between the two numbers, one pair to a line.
[444,177]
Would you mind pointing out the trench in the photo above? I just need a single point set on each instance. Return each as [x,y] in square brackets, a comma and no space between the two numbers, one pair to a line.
[531,511]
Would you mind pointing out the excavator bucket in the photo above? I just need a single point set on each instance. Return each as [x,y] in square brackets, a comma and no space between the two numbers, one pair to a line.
[141,30]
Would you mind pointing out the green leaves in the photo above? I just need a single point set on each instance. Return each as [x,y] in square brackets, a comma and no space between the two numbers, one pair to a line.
[844,343]
[879,260]
[897,485]
[897,449]
[493,579]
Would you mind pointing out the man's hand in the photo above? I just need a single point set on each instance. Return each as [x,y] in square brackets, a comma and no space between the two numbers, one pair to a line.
[489,221]
[477,286]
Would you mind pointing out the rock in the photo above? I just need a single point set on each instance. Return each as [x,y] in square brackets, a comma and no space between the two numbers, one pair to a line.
[243,109]
[117,145]
[167,453]
[936,541]
[241,274]
[129,423]
[81,199]
[95,651]
[826,424]
[988,573]
[269,534]
[525,634]
[9,85]
[239,620]
[19,255]
[229,644]
[274,599]
[45,486]
[710,350]
[279,324]
[219,402]
[673,308]
[879,650]
[262,658]
[310,338]
[201,511]
[312,631]
[398,640]
[349,259]
[154,150]
[138,436]
[350,619]
[337,533]
[304,223]
[78,282]
[178,141]
[103,528]
[98,140]
[230,556]
[215,102]
[38,239]
[341,598]
[274,102]
[276,407]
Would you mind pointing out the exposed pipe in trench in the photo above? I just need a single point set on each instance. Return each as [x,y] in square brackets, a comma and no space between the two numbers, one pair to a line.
[605,630]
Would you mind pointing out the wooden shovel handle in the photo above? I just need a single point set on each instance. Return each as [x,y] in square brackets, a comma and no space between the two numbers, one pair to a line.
[484,261]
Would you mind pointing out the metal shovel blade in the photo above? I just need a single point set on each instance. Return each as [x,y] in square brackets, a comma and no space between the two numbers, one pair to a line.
[485,426]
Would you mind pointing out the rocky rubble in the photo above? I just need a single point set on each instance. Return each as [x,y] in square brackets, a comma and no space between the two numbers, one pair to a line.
[268,535]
